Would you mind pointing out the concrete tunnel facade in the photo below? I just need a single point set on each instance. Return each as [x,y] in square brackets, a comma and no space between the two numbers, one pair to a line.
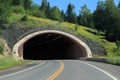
[51,44]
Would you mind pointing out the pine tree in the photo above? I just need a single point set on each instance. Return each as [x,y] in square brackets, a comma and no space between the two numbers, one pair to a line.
[17,2]
[79,19]
[107,18]
[5,11]
[111,18]
[47,12]
[43,9]
[55,13]
[85,17]
[99,15]
[43,5]
[62,15]
[119,5]
[70,14]
[27,4]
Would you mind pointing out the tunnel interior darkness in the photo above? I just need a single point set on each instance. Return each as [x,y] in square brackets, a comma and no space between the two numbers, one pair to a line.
[50,46]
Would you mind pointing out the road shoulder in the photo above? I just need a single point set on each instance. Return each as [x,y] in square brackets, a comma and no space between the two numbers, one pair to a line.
[111,69]
[19,68]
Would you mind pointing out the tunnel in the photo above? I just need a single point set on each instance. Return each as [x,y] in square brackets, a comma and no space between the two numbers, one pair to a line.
[51,45]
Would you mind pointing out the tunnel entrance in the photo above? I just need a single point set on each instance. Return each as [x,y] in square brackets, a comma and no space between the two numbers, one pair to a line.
[51,46]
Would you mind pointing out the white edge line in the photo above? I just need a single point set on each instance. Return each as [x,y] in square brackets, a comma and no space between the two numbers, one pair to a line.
[23,70]
[100,70]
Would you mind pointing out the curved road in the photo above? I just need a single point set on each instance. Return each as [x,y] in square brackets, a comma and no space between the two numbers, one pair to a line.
[60,70]
[80,70]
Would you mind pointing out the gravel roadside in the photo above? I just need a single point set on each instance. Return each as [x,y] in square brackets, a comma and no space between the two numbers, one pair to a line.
[111,69]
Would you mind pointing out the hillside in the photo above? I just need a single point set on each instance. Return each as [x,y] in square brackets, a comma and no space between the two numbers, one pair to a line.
[87,33]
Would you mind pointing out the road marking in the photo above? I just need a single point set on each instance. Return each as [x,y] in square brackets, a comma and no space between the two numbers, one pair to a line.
[23,70]
[57,72]
[100,70]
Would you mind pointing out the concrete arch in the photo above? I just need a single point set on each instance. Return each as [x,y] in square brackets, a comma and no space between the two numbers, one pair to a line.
[18,48]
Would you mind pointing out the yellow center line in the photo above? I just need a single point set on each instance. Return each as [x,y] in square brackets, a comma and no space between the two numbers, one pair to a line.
[57,72]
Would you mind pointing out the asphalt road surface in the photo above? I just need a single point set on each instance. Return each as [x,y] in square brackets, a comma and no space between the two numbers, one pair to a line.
[60,70]
[79,70]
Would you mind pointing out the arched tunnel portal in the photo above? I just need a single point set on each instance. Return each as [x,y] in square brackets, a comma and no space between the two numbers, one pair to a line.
[51,44]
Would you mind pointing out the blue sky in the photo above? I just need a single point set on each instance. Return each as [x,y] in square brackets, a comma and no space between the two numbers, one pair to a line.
[62,4]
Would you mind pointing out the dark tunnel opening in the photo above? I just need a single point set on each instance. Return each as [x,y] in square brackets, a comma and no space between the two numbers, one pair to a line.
[51,46]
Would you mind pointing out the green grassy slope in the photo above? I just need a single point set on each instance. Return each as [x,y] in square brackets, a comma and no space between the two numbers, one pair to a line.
[8,62]
[110,47]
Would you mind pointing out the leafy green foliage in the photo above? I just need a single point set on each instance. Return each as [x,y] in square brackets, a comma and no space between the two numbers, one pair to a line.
[76,27]
[113,19]
[8,62]
[107,18]
[55,13]
[18,9]
[1,49]
[47,12]
[43,5]
[27,4]
[118,44]
[43,8]
[115,61]
[119,5]
[98,16]
[70,14]
[85,17]
[17,2]
[4,11]
[24,18]
[62,15]
[34,10]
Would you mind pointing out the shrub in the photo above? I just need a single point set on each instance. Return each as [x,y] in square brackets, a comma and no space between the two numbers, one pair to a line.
[18,9]
[76,27]
[1,49]
[114,61]
[118,44]
[24,18]
[5,12]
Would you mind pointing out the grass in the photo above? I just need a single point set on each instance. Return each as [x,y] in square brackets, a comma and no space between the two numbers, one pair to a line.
[115,61]
[98,56]
[15,17]
[83,31]
[110,47]
[8,62]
